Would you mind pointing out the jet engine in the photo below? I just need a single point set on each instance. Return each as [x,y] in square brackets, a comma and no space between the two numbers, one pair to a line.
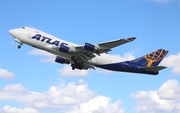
[65,49]
[61,60]
[90,47]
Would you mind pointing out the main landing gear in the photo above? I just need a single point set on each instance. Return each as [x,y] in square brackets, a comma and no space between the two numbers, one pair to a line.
[73,66]
[76,64]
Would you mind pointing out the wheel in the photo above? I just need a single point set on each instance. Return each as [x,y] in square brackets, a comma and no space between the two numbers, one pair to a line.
[19,46]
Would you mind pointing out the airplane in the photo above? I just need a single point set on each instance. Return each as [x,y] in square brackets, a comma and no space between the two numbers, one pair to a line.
[88,55]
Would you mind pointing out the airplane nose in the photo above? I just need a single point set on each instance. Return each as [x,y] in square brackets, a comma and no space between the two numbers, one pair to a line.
[13,32]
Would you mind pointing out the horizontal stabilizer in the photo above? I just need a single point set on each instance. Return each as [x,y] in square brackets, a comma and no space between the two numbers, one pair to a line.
[153,68]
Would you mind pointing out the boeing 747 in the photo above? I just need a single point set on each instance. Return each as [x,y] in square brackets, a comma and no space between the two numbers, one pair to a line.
[88,55]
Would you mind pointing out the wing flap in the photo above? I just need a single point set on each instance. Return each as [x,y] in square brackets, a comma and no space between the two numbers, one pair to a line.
[153,68]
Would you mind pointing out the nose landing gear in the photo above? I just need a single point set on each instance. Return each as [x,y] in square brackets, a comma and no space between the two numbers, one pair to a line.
[20,43]
[19,46]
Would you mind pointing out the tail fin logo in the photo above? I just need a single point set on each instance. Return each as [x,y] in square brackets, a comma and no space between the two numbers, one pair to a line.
[155,56]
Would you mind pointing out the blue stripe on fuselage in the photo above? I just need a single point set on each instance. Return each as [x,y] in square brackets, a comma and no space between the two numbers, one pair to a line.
[125,67]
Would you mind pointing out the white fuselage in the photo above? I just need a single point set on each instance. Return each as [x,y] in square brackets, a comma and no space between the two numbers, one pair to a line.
[49,43]
[89,55]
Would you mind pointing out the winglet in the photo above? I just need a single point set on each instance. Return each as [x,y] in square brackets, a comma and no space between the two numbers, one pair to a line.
[131,39]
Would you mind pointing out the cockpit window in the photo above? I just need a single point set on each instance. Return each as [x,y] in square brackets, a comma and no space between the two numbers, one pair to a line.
[23,27]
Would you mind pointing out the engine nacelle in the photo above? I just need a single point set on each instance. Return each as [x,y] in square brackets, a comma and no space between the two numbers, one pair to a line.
[61,60]
[65,49]
[90,47]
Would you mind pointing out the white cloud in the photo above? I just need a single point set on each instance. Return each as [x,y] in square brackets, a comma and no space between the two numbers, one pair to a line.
[67,98]
[99,104]
[126,56]
[102,71]
[14,88]
[161,1]
[67,71]
[176,70]
[39,52]
[6,74]
[48,56]
[172,61]
[165,99]
[9,109]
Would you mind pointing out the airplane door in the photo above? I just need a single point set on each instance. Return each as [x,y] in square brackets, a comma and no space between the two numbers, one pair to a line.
[29,36]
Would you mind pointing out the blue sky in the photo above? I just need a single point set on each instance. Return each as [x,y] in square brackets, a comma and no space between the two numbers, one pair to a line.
[30,82]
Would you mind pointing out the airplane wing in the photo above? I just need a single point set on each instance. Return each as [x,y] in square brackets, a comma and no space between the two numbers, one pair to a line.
[81,54]
[116,43]
[87,51]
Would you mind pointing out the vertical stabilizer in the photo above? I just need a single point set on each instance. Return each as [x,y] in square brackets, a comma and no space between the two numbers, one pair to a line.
[151,59]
